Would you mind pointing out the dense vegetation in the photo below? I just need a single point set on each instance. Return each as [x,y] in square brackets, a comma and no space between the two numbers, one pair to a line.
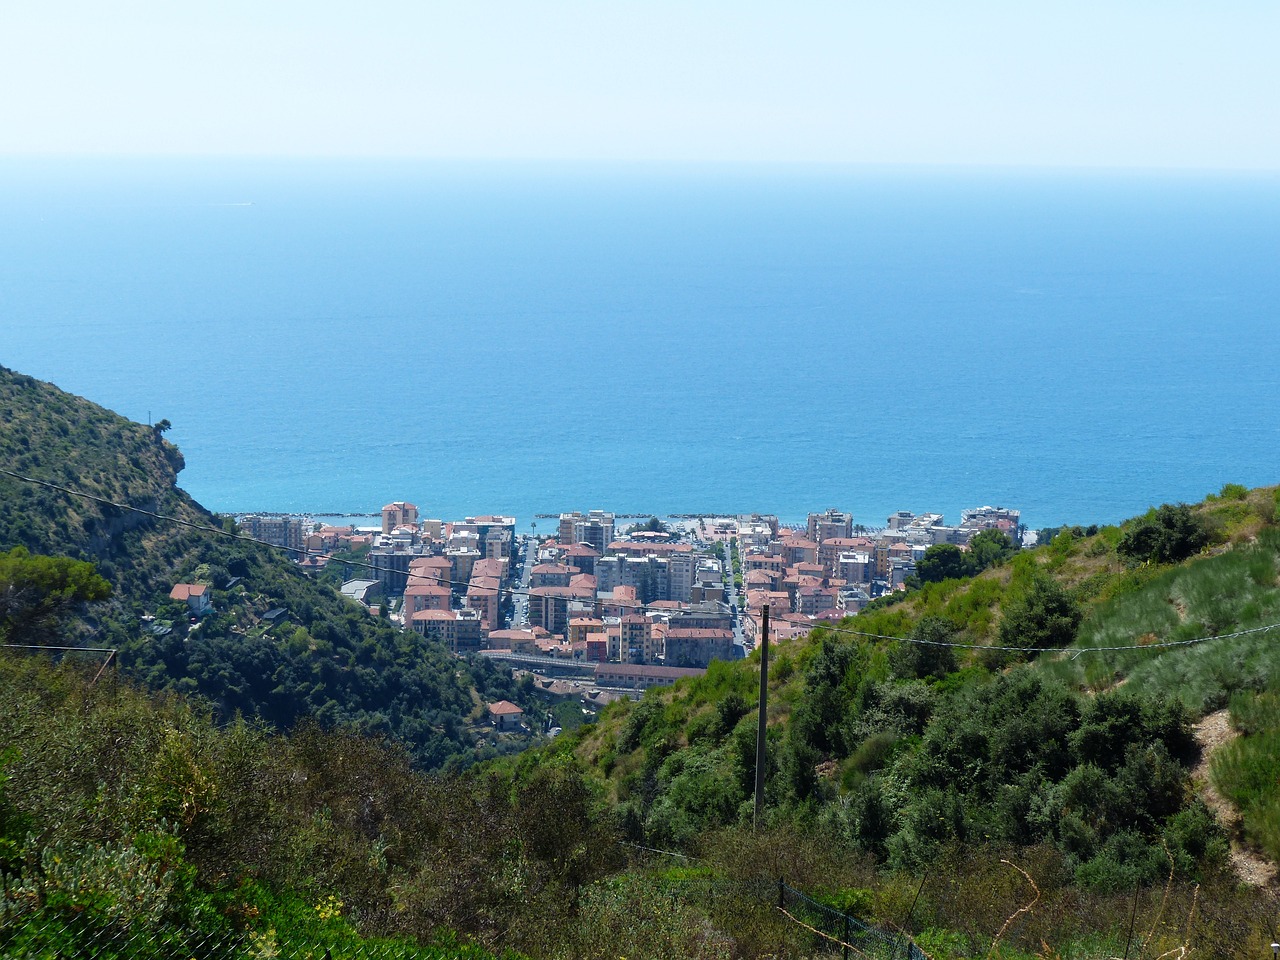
[119,810]
[1030,737]
[905,753]
[321,658]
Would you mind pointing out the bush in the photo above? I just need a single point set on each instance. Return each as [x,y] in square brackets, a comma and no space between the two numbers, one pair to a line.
[1234,491]
[1168,534]
[927,654]
[1045,617]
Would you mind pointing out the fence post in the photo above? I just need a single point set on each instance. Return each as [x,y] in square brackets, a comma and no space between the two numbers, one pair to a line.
[845,938]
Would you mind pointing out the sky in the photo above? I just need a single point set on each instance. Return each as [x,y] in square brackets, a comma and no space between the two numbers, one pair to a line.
[1043,83]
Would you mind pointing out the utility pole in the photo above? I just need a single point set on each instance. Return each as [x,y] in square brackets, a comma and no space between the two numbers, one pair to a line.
[764,709]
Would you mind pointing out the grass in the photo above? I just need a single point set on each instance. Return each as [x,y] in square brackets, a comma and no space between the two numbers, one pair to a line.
[1230,591]
[1245,770]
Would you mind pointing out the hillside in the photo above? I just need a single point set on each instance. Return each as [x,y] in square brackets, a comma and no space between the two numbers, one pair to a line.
[1069,754]
[137,826]
[323,658]
[1008,729]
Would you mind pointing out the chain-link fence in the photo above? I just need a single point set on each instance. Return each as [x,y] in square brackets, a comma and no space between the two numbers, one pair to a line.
[76,937]
[836,930]
[832,930]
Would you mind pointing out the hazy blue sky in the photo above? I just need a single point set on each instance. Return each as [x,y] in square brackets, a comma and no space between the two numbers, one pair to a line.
[1120,82]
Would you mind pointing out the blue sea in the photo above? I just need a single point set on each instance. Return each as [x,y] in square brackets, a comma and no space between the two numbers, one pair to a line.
[329,336]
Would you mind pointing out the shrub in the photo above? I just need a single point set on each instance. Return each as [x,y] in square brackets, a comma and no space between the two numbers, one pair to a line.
[1234,491]
[1168,534]
[1044,617]
[926,655]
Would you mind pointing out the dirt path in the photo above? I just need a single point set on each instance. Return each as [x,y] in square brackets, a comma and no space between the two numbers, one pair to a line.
[1212,732]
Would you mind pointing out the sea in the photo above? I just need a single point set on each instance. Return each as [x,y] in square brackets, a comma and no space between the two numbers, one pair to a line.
[327,336]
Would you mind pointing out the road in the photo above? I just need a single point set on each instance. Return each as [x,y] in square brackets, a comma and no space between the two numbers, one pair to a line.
[731,597]
[528,557]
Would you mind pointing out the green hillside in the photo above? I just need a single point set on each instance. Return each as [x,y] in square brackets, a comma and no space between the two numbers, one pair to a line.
[1074,753]
[1006,730]
[323,658]
[134,825]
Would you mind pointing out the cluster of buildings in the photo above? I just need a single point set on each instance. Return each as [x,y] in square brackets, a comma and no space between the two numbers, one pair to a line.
[832,569]
[648,605]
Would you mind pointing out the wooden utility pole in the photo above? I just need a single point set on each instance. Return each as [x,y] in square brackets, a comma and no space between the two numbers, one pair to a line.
[764,711]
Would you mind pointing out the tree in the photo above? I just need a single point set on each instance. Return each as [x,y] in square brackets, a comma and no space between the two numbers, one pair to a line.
[37,591]
[927,655]
[942,561]
[1044,617]
[1167,534]
[989,548]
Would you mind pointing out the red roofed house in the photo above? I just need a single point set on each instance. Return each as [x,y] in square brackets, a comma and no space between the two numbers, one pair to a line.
[506,716]
[194,595]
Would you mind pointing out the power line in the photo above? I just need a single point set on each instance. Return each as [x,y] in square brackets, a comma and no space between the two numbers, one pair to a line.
[637,607]
[1161,645]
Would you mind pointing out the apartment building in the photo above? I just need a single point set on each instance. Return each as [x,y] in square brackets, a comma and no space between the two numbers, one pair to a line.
[832,523]
[398,514]
[460,630]
[697,646]
[282,531]
[639,641]
[595,527]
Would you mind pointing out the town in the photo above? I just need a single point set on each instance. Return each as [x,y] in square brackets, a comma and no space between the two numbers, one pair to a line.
[619,608]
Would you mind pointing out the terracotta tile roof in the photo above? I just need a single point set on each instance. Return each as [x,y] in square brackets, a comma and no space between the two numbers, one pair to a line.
[429,562]
[504,708]
[489,568]
[635,548]
[799,542]
[511,635]
[184,591]
[435,615]
[556,568]
[426,590]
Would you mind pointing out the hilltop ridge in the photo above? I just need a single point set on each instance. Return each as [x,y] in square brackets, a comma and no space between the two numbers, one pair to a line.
[319,657]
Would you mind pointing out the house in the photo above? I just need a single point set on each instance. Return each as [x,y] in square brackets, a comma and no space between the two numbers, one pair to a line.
[506,716]
[194,595]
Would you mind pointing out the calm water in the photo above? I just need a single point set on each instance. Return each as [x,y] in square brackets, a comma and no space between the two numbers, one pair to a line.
[538,339]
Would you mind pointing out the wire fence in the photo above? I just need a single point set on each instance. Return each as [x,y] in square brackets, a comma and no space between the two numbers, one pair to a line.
[74,933]
[839,930]
[78,937]
[832,930]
